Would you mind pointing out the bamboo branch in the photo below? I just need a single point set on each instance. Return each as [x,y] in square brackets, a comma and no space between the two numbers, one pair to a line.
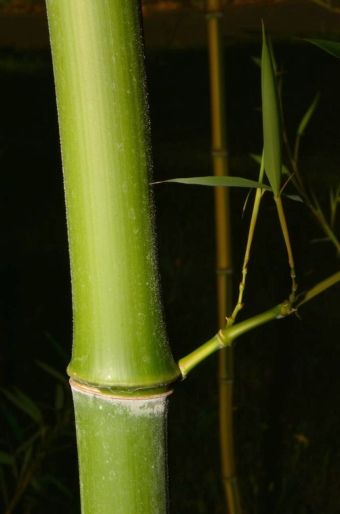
[285,232]
[225,337]
[256,207]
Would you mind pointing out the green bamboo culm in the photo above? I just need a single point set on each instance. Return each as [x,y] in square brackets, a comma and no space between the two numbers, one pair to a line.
[120,351]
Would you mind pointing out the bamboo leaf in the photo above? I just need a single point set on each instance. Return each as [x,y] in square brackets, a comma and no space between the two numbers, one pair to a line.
[31,406]
[218,181]
[58,348]
[272,55]
[24,403]
[331,47]
[14,425]
[306,118]
[285,170]
[51,480]
[29,442]
[296,198]
[59,397]
[257,61]
[258,158]
[321,240]
[6,458]
[36,485]
[25,463]
[272,127]
[52,372]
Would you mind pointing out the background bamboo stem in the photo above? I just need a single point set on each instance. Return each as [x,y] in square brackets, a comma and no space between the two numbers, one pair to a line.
[223,251]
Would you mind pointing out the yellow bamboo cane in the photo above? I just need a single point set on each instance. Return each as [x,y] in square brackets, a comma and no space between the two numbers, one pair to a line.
[223,251]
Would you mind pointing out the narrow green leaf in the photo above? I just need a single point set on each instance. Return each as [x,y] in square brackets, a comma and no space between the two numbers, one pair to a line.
[331,47]
[257,158]
[53,372]
[51,480]
[321,240]
[36,485]
[218,181]
[24,403]
[29,442]
[285,170]
[31,406]
[257,61]
[25,463]
[13,424]
[306,118]
[296,198]
[59,400]
[58,348]
[272,55]
[6,458]
[271,115]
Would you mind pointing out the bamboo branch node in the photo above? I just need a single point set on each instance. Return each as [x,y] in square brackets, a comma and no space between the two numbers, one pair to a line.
[222,339]
[286,309]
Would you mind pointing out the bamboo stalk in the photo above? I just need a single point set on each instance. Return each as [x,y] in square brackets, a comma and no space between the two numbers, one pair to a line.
[129,457]
[223,251]
[121,366]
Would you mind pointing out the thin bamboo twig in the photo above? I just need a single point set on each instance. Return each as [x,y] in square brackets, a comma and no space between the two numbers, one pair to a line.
[315,209]
[317,289]
[285,232]
[300,187]
[256,207]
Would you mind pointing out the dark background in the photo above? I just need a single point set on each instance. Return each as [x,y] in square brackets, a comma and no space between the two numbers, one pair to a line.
[287,382]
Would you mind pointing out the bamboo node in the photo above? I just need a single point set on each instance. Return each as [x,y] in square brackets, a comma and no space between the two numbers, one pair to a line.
[219,152]
[110,395]
[226,380]
[228,480]
[224,271]
[213,14]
